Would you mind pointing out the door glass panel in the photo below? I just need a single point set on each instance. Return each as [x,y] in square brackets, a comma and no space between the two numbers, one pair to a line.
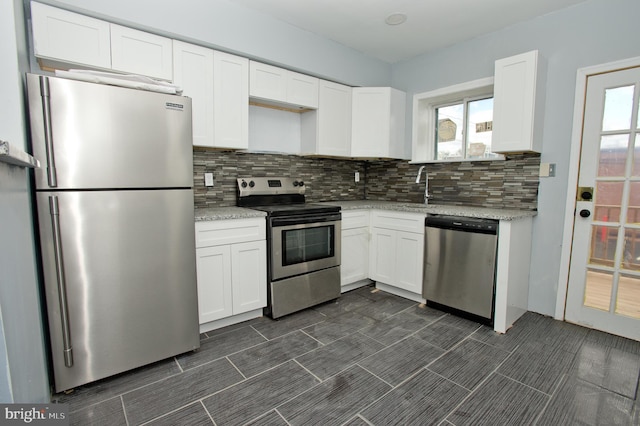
[628,301]
[597,293]
[636,156]
[633,210]
[608,198]
[618,106]
[603,245]
[479,128]
[613,155]
[306,244]
[631,258]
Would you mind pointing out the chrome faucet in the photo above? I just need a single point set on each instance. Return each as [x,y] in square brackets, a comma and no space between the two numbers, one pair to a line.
[426,183]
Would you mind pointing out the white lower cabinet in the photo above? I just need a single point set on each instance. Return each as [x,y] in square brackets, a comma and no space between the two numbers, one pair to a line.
[354,264]
[231,261]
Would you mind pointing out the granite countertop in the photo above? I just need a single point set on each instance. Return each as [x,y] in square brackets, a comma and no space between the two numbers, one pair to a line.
[221,213]
[478,212]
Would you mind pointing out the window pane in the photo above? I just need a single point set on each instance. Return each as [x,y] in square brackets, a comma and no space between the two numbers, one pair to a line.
[631,258]
[449,132]
[603,245]
[479,128]
[636,156]
[618,105]
[633,210]
[613,155]
[597,291]
[607,200]
[628,302]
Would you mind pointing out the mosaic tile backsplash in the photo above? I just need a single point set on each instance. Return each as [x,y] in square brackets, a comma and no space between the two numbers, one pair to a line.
[512,183]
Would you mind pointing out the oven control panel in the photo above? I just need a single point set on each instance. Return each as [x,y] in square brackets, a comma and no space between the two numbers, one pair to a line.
[270,186]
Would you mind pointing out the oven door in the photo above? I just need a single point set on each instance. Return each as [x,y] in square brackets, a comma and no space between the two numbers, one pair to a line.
[304,244]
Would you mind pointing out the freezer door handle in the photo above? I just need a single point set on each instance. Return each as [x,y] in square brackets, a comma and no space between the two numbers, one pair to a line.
[62,286]
[48,133]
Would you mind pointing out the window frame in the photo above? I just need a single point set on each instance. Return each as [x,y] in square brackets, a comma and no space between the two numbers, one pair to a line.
[424,120]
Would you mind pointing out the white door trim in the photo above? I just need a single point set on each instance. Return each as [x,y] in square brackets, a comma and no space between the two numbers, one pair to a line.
[574,166]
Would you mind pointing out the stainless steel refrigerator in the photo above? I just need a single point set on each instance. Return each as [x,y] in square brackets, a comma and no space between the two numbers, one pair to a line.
[115,212]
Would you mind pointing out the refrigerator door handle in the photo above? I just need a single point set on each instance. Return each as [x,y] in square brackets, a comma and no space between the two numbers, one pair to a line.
[48,133]
[62,286]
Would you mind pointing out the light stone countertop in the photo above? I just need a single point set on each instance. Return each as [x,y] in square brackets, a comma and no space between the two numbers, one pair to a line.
[477,212]
[221,213]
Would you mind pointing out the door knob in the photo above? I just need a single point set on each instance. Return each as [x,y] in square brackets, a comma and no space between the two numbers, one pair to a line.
[585,213]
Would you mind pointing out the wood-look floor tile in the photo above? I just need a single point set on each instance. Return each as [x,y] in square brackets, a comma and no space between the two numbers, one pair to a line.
[162,397]
[192,415]
[338,326]
[272,418]
[558,334]
[577,402]
[469,363]
[396,328]
[253,397]
[425,399]
[500,401]
[347,302]
[274,352]
[443,335]
[617,342]
[518,334]
[356,421]
[92,393]
[386,306]
[397,362]
[106,413]
[335,400]
[537,365]
[608,367]
[336,356]
[275,328]
[221,345]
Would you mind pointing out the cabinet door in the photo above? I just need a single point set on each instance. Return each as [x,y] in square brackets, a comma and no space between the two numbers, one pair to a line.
[231,101]
[267,82]
[409,261]
[382,255]
[137,52]
[249,271]
[302,90]
[514,103]
[193,71]
[70,37]
[215,296]
[354,265]
[370,122]
[334,119]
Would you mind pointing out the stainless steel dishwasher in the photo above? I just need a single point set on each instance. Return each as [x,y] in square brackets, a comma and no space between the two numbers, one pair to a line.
[460,264]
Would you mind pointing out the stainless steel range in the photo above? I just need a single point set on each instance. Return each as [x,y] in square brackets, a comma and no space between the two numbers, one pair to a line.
[303,244]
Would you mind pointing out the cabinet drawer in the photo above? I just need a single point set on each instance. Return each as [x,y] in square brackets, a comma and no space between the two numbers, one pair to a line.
[399,221]
[355,219]
[232,231]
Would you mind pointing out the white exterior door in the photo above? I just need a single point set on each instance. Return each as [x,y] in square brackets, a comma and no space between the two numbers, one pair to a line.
[604,280]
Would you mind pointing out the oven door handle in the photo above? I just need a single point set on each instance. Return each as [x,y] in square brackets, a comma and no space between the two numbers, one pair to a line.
[288,221]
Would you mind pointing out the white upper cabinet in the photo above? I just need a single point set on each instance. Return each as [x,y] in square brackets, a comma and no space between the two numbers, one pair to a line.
[193,71]
[137,52]
[218,84]
[278,85]
[518,103]
[68,37]
[231,101]
[378,122]
[327,131]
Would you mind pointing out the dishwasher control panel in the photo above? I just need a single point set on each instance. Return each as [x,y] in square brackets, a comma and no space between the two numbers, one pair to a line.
[467,224]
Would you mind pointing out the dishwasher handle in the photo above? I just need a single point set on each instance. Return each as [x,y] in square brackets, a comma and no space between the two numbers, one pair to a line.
[463,224]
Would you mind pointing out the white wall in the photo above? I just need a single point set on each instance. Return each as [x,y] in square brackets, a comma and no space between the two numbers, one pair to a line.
[236,29]
[590,33]
[23,375]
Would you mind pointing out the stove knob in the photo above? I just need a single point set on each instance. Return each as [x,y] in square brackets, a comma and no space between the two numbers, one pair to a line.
[295,183]
[301,183]
[252,184]
[243,184]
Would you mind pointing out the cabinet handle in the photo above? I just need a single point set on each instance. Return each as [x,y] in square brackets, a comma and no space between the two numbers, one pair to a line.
[48,132]
[62,285]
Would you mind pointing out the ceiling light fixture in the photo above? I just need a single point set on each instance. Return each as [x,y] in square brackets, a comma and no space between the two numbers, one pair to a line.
[396,18]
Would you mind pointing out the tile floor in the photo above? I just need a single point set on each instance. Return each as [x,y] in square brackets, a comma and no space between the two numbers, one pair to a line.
[371,358]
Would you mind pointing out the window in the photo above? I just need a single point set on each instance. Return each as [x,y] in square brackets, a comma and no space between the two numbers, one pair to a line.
[464,129]
[454,123]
